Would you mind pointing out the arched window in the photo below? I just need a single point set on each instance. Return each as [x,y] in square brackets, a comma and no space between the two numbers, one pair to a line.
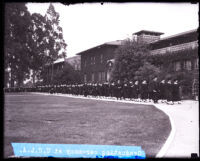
[177,66]
[196,63]
[187,64]
[85,78]
[101,58]
[103,76]
[92,77]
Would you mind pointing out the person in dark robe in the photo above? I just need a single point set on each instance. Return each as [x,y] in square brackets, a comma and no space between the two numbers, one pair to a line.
[125,91]
[150,91]
[85,90]
[144,91]
[137,91]
[80,89]
[112,89]
[97,90]
[118,90]
[162,87]
[109,90]
[90,89]
[106,89]
[94,90]
[64,88]
[175,92]
[132,91]
[51,90]
[100,90]
[155,88]
[103,90]
[129,90]
[169,92]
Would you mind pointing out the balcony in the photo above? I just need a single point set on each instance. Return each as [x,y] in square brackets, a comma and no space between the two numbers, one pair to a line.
[185,46]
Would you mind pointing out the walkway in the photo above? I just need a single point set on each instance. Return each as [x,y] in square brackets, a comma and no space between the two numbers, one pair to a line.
[186,122]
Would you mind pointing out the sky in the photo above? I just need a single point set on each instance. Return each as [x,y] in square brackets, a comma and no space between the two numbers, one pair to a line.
[91,24]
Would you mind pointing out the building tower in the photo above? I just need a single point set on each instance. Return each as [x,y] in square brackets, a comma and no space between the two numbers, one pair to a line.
[147,36]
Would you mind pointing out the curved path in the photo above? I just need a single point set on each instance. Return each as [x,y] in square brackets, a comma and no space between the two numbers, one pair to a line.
[185,118]
[184,137]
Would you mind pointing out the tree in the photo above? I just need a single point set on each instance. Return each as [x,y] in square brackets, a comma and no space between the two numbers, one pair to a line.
[67,75]
[147,72]
[56,44]
[17,22]
[31,42]
[38,45]
[129,58]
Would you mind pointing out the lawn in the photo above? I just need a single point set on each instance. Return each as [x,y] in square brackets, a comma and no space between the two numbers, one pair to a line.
[33,118]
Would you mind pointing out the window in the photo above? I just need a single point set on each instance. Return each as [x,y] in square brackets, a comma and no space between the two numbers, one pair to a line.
[193,45]
[91,60]
[196,63]
[101,58]
[177,66]
[108,76]
[92,77]
[187,64]
[99,76]
[85,78]
[75,66]
[103,76]
[85,63]
[94,60]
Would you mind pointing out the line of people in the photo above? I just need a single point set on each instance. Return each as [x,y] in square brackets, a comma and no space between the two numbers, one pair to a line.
[167,91]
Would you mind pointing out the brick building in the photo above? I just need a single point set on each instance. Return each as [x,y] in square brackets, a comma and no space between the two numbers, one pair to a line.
[96,62]
[74,61]
[179,44]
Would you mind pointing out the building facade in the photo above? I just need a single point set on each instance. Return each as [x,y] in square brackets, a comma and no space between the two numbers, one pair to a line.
[96,63]
[58,65]
[75,62]
[187,41]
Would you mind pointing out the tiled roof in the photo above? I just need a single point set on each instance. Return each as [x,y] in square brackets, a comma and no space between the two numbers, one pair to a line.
[67,59]
[59,60]
[176,35]
[148,32]
[120,42]
[117,42]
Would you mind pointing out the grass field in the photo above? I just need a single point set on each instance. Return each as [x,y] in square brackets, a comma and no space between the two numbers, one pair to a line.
[33,118]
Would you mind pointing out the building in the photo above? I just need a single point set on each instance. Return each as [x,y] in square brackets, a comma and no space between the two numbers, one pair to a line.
[97,62]
[175,44]
[147,36]
[75,62]
[58,65]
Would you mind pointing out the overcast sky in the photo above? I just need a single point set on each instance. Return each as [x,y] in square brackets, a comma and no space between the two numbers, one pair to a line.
[88,25]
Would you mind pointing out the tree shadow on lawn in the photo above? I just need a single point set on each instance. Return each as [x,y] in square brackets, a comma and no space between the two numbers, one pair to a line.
[63,120]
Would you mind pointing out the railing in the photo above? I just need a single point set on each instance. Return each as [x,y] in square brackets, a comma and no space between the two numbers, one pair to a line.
[190,45]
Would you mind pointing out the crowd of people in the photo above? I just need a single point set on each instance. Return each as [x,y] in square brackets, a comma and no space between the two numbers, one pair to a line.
[167,91]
